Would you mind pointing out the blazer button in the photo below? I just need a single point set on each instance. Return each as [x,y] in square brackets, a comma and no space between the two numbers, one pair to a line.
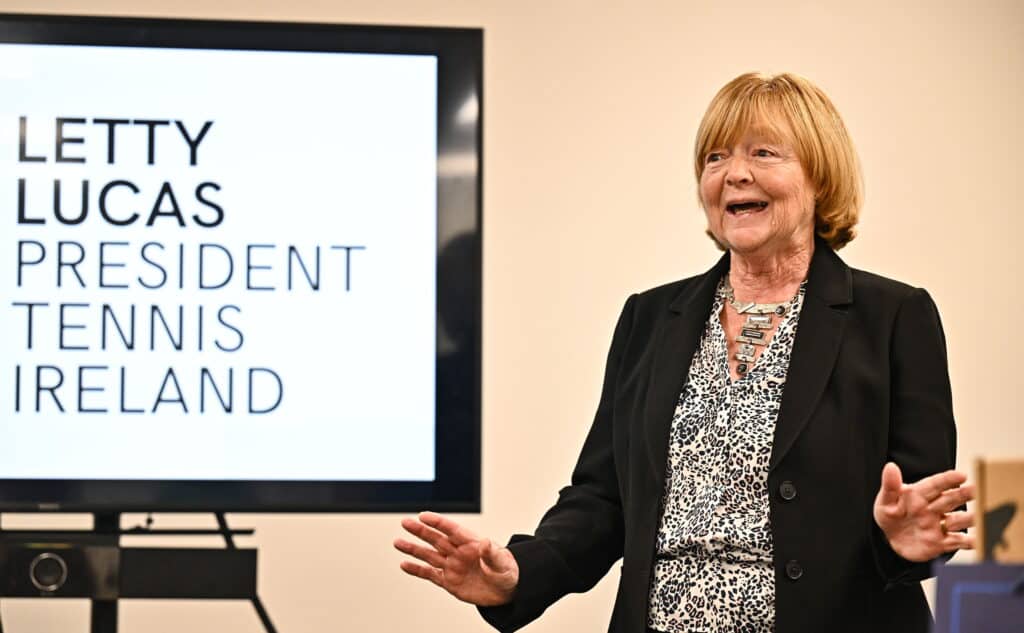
[794,570]
[787,491]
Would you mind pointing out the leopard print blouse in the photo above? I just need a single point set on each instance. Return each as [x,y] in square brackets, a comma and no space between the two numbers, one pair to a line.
[713,568]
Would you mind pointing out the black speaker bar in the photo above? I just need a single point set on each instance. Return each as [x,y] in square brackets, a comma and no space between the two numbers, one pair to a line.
[61,569]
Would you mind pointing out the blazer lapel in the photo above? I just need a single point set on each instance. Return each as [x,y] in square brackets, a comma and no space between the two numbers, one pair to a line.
[677,343]
[819,333]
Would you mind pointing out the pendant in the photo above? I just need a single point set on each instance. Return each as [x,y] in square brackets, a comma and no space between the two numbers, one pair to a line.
[752,333]
[759,322]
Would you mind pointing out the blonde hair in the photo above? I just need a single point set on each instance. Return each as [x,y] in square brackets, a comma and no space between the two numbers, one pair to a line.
[793,109]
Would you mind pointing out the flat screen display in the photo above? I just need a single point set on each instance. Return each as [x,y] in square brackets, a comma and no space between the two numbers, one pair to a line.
[240,266]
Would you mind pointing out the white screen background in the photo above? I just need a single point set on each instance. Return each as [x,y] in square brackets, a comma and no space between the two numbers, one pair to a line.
[308,149]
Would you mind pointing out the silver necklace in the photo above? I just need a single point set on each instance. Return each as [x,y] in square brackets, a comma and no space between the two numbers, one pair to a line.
[753,332]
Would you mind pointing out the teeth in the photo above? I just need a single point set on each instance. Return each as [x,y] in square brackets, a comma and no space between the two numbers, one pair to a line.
[746,207]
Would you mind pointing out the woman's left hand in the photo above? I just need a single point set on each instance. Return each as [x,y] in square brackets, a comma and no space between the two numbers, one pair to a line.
[919,518]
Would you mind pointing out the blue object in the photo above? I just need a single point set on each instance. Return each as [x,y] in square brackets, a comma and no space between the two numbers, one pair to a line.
[985,598]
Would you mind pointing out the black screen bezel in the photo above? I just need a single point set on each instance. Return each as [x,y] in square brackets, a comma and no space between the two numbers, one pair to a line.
[459,52]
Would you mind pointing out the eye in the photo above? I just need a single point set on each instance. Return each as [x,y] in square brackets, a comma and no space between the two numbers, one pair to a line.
[713,157]
[764,153]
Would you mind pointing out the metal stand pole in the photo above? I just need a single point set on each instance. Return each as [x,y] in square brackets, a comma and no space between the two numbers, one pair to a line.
[103,616]
[229,542]
[103,613]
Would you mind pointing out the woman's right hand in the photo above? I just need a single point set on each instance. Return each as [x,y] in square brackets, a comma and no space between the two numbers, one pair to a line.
[472,569]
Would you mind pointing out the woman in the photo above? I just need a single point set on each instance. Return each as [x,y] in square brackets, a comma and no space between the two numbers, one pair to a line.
[757,423]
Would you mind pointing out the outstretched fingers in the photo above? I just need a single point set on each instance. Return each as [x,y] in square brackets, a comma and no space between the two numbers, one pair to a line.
[951,499]
[892,484]
[957,521]
[932,487]
[422,571]
[957,540]
[455,533]
[491,560]
[426,533]
[488,554]
[428,555]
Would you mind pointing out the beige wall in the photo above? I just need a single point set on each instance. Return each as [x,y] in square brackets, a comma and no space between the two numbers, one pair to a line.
[591,110]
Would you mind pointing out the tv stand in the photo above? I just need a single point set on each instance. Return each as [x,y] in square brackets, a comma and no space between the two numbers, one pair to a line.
[92,564]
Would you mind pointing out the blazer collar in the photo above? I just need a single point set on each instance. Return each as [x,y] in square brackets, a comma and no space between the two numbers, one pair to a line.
[829,278]
[816,346]
[678,339]
[822,319]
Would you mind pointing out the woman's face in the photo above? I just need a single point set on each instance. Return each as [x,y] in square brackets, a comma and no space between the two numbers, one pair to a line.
[756,196]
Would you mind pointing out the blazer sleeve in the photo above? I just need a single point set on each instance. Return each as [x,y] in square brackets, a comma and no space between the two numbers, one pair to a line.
[582,535]
[922,433]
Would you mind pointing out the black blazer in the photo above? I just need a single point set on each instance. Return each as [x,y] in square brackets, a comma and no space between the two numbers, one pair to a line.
[867,383]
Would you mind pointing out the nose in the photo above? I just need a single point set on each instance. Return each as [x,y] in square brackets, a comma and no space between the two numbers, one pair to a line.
[738,172]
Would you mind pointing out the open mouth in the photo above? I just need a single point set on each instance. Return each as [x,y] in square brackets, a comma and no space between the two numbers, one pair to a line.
[740,208]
